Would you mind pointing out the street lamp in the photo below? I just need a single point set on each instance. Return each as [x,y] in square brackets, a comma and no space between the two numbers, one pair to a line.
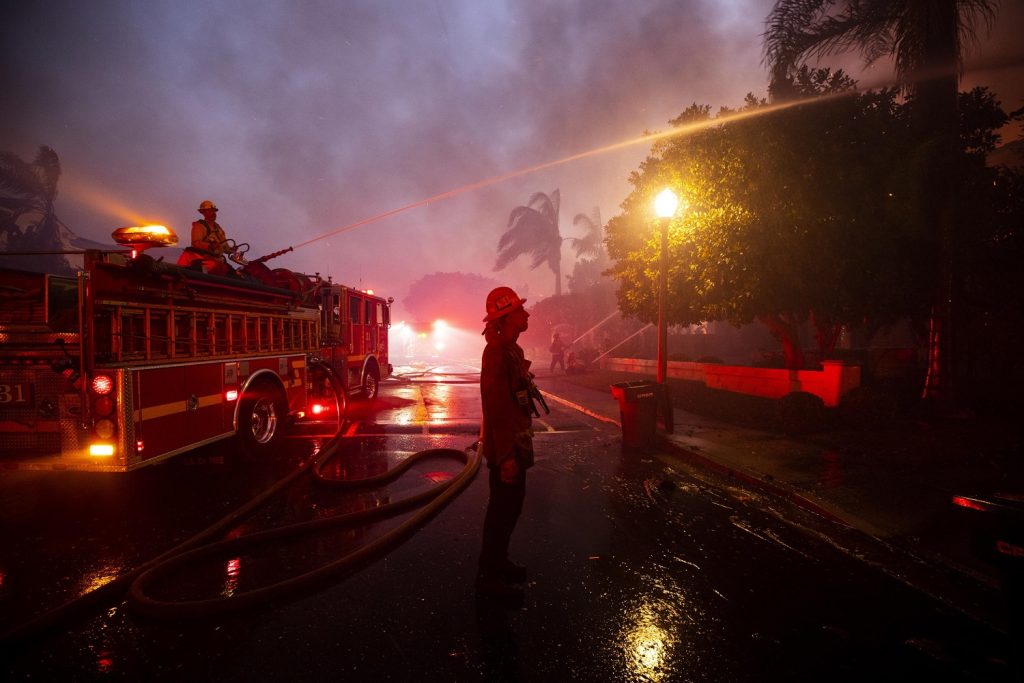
[665,208]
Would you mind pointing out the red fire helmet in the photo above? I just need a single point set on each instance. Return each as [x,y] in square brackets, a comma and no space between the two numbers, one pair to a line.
[502,301]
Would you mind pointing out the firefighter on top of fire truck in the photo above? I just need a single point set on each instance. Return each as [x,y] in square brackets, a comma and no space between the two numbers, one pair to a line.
[207,234]
[209,243]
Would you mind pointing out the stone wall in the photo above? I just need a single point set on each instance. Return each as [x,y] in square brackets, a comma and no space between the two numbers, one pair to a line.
[830,383]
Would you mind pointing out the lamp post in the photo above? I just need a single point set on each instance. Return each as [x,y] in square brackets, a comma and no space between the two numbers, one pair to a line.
[665,208]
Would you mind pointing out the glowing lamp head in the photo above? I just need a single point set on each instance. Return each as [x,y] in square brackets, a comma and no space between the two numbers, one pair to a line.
[144,237]
[666,203]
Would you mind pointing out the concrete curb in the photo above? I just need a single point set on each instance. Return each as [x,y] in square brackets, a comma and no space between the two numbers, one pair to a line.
[721,468]
[753,479]
[580,408]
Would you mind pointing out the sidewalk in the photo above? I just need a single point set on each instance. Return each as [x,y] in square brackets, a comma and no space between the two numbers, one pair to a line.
[893,482]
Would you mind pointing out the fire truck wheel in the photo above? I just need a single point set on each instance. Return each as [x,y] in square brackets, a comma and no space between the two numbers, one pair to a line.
[329,388]
[371,383]
[261,416]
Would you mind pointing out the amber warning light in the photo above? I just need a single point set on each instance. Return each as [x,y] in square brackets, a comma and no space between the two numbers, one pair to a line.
[143,237]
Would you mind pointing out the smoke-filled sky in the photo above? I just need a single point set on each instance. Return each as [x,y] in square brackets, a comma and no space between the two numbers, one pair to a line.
[299,118]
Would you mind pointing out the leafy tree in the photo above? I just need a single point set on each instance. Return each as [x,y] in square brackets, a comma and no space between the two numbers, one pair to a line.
[794,216]
[807,214]
[926,40]
[991,199]
[31,188]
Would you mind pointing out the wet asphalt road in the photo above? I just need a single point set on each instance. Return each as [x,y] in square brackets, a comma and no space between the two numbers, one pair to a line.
[640,570]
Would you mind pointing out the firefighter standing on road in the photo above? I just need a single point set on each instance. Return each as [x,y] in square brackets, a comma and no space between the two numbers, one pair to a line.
[506,440]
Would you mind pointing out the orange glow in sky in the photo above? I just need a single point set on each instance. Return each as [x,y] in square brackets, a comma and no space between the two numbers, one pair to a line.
[100,199]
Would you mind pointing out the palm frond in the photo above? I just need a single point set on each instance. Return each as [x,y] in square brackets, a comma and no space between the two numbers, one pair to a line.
[15,204]
[803,29]
[797,30]
[47,168]
[528,234]
[784,28]
[590,243]
[547,205]
[18,177]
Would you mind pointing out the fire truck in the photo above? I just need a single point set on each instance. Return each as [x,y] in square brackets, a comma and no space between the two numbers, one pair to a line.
[135,360]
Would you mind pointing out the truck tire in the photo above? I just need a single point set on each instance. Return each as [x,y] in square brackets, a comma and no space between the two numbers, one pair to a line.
[371,383]
[328,387]
[262,415]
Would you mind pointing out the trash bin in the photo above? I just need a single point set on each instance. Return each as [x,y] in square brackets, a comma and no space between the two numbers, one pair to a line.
[996,527]
[638,408]
[665,410]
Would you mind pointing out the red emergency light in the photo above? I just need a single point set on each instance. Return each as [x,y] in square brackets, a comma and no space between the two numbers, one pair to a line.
[102,385]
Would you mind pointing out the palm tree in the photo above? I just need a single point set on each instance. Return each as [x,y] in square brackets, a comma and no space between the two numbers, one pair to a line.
[533,230]
[591,257]
[591,244]
[35,183]
[32,187]
[926,39]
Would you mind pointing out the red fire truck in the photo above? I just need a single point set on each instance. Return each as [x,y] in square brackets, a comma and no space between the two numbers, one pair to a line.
[134,360]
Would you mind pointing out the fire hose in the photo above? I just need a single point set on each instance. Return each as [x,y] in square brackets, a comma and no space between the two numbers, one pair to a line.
[438,496]
[136,581]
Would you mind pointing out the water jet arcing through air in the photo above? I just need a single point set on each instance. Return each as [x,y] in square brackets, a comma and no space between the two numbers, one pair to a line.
[646,138]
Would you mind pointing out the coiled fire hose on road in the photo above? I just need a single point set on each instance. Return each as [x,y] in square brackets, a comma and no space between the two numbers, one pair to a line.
[137,580]
[438,496]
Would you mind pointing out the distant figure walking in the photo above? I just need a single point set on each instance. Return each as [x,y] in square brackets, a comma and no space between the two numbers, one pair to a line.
[557,349]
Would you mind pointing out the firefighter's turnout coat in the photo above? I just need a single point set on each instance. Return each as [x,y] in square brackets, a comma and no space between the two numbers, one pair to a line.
[504,383]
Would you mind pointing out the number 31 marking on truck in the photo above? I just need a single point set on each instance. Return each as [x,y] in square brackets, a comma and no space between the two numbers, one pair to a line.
[15,393]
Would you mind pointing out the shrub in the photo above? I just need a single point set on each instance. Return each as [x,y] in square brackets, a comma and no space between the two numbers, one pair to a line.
[799,413]
[870,404]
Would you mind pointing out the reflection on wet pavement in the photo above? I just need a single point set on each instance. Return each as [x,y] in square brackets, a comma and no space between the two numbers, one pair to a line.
[99,577]
[638,572]
[231,572]
[648,641]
